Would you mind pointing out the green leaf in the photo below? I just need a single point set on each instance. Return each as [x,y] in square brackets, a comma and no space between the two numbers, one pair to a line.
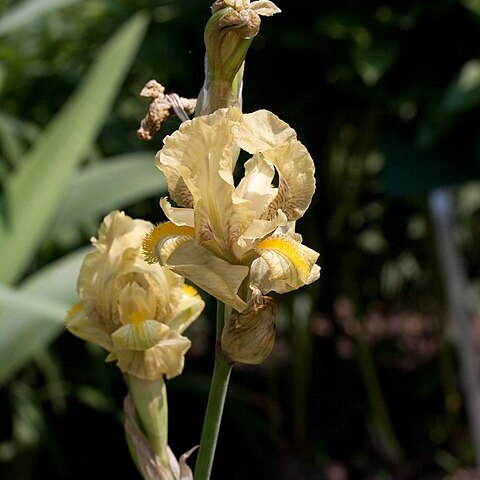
[28,11]
[14,299]
[472,5]
[108,185]
[37,188]
[14,134]
[32,315]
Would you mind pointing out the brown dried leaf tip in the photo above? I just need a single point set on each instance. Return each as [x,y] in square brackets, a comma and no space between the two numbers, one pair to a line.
[161,107]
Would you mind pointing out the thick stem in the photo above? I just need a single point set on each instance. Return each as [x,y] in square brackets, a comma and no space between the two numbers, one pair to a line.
[214,412]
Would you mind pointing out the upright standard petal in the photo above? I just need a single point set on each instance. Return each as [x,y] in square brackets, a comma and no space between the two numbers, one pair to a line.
[202,153]
[262,130]
[96,282]
[296,180]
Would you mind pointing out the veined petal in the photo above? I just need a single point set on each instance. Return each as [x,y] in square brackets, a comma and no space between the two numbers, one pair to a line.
[139,335]
[174,247]
[289,264]
[178,189]
[258,229]
[202,152]
[168,288]
[210,273]
[262,130]
[165,358]
[296,180]
[80,325]
[188,310]
[118,241]
[136,303]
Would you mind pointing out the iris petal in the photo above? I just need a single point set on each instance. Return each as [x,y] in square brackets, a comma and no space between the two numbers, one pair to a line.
[262,130]
[209,272]
[202,153]
[296,180]
[79,324]
[164,358]
[285,265]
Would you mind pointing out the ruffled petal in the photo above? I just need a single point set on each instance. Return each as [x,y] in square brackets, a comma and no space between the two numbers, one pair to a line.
[202,153]
[117,247]
[209,272]
[188,310]
[174,247]
[140,335]
[80,325]
[296,180]
[284,265]
[262,130]
[177,188]
[166,358]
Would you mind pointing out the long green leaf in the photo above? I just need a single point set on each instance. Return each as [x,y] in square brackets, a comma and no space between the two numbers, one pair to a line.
[12,298]
[32,316]
[28,11]
[37,188]
[112,184]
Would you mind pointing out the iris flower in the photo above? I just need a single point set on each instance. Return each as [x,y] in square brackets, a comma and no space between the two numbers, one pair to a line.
[224,237]
[134,310]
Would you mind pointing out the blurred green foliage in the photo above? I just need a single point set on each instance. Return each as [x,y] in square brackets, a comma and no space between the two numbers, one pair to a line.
[386,97]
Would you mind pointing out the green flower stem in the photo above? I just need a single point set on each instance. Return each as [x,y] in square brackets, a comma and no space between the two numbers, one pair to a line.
[216,401]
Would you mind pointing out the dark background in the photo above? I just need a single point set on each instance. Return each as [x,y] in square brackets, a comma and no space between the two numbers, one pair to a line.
[363,382]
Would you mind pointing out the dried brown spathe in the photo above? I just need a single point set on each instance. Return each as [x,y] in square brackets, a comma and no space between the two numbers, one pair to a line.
[161,107]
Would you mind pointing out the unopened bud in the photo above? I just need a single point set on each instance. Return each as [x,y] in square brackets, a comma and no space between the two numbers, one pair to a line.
[149,399]
[248,337]
[228,35]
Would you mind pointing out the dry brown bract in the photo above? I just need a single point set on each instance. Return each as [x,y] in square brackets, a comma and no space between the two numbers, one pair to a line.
[161,107]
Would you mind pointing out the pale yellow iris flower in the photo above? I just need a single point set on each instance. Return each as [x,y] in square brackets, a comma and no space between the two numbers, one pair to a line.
[226,237]
[136,311]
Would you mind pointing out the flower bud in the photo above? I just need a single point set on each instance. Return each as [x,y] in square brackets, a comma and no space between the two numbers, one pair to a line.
[228,35]
[248,337]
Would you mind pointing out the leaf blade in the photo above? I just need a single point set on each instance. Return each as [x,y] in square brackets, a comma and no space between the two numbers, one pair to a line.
[107,186]
[24,332]
[37,188]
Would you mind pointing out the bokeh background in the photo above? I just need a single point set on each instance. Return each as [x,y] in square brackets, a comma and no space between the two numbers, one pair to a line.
[374,374]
